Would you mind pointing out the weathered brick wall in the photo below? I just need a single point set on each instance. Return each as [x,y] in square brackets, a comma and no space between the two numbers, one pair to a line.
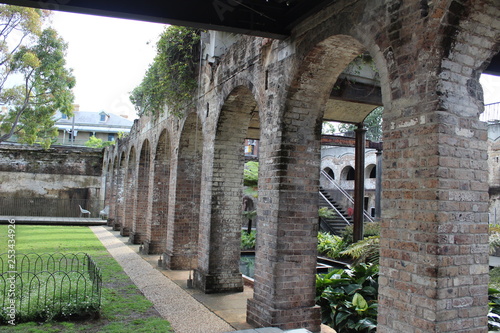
[57,173]
[429,56]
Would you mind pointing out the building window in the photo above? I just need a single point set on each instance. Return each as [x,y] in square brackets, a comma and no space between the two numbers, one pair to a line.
[103,117]
[63,116]
[111,137]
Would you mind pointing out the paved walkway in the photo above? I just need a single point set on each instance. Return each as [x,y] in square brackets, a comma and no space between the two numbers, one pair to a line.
[187,310]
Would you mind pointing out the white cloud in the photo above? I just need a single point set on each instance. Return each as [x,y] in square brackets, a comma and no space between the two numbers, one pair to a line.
[109,58]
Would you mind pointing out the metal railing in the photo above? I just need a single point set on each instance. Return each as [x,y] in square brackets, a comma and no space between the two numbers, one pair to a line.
[491,112]
[14,206]
[335,209]
[345,194]
[48,287]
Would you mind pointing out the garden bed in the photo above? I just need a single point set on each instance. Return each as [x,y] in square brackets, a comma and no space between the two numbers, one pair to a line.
[46,287]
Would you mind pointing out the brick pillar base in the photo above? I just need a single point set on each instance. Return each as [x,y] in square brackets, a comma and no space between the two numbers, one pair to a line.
[110,222]
[116,226]
[136,238]
[124,231]
[262,315]
[218,283]
[179,261]
[151,247]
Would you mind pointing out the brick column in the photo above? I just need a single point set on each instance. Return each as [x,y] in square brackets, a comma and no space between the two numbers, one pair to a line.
[184,212]
[130,188]
[142,202]
[120,195]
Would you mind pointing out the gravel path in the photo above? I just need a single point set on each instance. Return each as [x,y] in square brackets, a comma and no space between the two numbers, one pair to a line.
[185,314]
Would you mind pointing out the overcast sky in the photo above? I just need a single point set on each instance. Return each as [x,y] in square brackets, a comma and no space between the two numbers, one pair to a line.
[110,56]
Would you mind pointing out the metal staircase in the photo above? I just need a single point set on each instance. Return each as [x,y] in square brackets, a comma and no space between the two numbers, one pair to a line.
[337,224]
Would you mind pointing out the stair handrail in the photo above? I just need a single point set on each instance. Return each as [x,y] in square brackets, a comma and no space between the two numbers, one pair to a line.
[344,192]
[335,208]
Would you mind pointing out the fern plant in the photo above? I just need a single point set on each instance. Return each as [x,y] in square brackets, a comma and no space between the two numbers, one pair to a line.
[364,251]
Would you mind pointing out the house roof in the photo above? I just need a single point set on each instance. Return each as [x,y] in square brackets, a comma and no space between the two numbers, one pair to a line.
[91,122]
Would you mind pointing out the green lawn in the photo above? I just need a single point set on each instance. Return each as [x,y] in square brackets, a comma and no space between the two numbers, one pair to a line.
[124,308]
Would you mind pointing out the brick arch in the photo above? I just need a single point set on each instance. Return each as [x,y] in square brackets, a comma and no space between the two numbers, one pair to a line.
[129,193]
[183,223]
[156,234]
[220,234]
[292,171]
[109,184]
[142,203]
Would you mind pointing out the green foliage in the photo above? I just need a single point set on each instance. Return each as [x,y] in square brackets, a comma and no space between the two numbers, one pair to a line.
[330,245]
[366,250]
[248,240]
[55,292]
[494,241]
[249,214]
[251,174]
[494,310]
[348,298]
[94,142]
[373,124]
[369,229]
[36,58]
[326,213]
[171,79]
[328,127]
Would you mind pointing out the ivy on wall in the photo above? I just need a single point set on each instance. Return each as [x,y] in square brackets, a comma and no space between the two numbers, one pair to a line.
[171,79]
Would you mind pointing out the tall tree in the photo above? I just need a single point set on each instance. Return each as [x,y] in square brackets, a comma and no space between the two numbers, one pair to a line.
[34,80]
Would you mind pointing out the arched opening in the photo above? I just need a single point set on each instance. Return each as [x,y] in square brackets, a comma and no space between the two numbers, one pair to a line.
[220,246]
[371,171]
[329,172]
[183,223]
[348,173]
[140,215]
[157,228]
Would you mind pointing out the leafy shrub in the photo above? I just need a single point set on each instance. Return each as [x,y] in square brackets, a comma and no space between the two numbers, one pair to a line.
[248,240]
[251,174]
[330,245]
[326,213]
[494,309]
[348,298]
[370,229]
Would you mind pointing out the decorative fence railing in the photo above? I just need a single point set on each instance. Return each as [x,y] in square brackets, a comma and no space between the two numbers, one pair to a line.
[14,206]
[45,287]
[491,112]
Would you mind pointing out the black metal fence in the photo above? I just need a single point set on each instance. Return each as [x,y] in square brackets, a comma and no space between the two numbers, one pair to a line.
[14,206]
[46,287]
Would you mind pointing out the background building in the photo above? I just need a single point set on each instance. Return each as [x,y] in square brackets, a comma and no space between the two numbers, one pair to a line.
[78,129]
